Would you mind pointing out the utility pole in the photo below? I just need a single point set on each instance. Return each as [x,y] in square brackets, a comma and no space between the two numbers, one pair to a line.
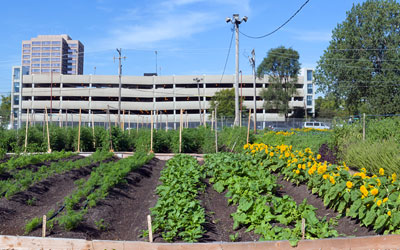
[119,81]
[253,65]
[198,94]
[236,21]
[156,61]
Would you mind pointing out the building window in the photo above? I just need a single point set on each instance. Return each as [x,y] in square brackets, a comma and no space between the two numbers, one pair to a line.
[26,51]
[71,56]
[26,61]
[45,48]
[45,59]
[35,43]
[56,42]
[56,70]
[16,86]
[309,88]
[71,61]
[45,54]
[35,70]
[36,48]
[45,70]
[35,54]
[309,75]
[26,56]
[309,100]
[71,71]
[55,54]
[46,43]
[55,59]
[26,45]
[73,45]
[56,48]
[55,65]
[35,59]
[45,64]
[16,73]
[35,64]
[16,100]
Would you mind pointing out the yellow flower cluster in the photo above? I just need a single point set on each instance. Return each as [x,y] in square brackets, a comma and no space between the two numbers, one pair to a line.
[309,129]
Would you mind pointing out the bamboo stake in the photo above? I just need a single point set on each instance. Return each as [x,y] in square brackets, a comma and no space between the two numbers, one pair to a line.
[363,134]
[166,123]
[109,127]
[204,119]
[94,137]
[248,127]
[129,121]
[26,129]
[149,227]
[187,120]
[123,121]
[79,129]
[180,132]
[48,134]
[303,228]
[44,222]
[216,131]
[151,133]
[212,120]
[60,119]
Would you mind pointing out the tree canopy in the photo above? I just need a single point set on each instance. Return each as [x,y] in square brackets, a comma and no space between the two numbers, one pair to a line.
[5,109]
[224,100]
[282,67]
[360,67]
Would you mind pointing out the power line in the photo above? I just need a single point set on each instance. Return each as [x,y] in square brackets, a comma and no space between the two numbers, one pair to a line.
[227,57]
[272,32]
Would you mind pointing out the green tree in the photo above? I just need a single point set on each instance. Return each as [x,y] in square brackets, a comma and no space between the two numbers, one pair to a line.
[5,109]
[282,67]
[225,101]
[327,107]
[360,67]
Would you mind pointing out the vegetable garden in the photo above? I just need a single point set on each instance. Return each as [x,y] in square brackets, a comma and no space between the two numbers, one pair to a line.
[289,185]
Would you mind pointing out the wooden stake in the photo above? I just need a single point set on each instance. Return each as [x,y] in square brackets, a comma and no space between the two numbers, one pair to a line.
[109,128]
[363,135]
[240,119]
[66,117]
[44,222]
[255,121]
[26,129]
[48,134]
[94,137]
[212,120]
[79,129]
[129,122]
[248,127]
[303,228]
[180,132]
[60,119]
[149,227]
[187,120]
[216,131]
[204,119]
[151,133]
[166,123]
[123,121]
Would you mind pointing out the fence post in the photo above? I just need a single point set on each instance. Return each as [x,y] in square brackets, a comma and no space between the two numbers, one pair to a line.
[363,126]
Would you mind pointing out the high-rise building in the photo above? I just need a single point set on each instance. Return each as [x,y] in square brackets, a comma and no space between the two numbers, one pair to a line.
[52,53]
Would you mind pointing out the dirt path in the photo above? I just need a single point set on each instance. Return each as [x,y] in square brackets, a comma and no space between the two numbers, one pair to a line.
[346,225]
[123,214]
[38,200]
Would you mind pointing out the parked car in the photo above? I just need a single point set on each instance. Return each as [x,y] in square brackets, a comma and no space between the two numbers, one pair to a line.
[316,125]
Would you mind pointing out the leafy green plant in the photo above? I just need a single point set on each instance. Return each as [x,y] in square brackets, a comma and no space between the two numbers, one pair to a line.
[32,225]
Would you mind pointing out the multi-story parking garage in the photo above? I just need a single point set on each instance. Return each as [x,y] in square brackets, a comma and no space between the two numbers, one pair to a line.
[64,96]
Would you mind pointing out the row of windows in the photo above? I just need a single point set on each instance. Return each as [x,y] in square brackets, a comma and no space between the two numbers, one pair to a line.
[46,48]
[44,70]
[46,65]
[43,43]
[46,54]
[126,99]
[54,59]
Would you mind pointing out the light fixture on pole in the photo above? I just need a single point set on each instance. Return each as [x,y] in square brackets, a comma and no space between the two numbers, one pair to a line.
[236,20]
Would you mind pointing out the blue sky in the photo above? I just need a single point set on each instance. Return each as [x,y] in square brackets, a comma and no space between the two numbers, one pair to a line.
[191,36]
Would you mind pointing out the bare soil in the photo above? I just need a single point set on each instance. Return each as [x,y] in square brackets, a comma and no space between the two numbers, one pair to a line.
[38,199]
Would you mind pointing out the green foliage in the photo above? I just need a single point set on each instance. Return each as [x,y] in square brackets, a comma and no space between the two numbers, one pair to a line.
[178,214]
[360,65]
[5,108]
[224,101]
[252,188]
[32,225]
[282,67]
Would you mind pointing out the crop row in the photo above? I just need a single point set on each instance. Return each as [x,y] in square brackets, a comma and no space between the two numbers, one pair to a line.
[178,214]
[24,178]
[89,192]
[374,200]
[251,186]
[20,161]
